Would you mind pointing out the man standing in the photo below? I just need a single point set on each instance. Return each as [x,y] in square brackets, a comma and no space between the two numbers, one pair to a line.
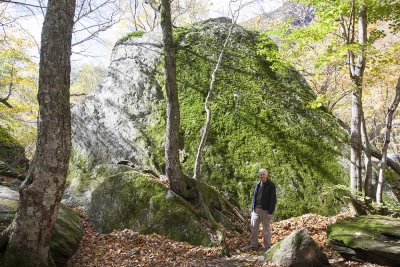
[262,207]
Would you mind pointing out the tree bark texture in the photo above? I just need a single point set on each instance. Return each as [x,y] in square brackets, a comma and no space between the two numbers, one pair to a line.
[389,118]
[172,164]
[367,158]
[41,192]
[206,129]
[355,139]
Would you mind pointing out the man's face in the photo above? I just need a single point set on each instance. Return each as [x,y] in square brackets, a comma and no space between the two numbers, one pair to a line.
[263,177]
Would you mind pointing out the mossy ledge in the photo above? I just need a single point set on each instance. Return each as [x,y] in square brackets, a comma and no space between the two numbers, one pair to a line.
[372,238]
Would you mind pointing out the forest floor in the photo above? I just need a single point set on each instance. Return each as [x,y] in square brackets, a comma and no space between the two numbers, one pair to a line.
[129,248]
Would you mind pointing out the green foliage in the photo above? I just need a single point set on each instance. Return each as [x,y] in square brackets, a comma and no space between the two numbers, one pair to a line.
[320,47]
[260,119]
[132,34]
[18,79]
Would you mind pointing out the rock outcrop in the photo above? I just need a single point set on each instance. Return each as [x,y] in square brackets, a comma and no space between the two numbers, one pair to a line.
[260,118]
[109,125]
[67,233]
[297,14]
[370,238]
[297,250]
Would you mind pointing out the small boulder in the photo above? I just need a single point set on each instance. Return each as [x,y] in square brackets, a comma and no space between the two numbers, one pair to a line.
[67,233]
[372,238]
[297,250]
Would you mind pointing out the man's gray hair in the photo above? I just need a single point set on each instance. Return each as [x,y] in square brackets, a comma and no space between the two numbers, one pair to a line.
[262,171]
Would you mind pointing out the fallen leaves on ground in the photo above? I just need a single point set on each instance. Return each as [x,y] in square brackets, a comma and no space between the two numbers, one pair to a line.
[128,248]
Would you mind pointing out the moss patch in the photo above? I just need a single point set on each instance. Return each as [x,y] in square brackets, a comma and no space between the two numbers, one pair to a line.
[67,235]
[374,238]
[133,34]
[138,202]
[350,230]
[270,253]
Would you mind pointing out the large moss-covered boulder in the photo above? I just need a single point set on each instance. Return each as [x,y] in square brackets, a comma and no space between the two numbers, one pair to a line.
[140,202]
[370,238]
[297,250]
[260,118]
[67,233]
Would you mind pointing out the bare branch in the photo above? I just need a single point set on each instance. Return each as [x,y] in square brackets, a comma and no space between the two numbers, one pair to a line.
[19,3]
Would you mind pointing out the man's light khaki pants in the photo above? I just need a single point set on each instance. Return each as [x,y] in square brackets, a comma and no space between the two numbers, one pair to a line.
[258,216]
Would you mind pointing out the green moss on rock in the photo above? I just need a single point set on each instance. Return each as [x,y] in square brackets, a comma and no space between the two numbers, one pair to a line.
[138,202]
[67,235]
[373,238]
[260,118]
[270,252]
[133,34]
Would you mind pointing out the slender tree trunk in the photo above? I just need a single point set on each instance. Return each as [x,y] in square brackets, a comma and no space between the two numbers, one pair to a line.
[389,118]
[355,157]
[41,192]
[206,129]
[172,169]
[356,74]
[367,160]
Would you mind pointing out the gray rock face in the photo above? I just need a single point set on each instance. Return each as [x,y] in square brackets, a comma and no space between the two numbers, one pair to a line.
[298,14]
[67,233]
[108,125]
[298,249]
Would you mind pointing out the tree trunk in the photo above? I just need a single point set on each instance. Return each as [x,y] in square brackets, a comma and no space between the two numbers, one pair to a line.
[206,129]
[367,158]
[357,74]
[172,169]
[41,192]
[355,158]
[389,118]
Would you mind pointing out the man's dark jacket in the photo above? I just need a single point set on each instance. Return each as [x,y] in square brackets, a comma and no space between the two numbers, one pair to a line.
[268,197]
